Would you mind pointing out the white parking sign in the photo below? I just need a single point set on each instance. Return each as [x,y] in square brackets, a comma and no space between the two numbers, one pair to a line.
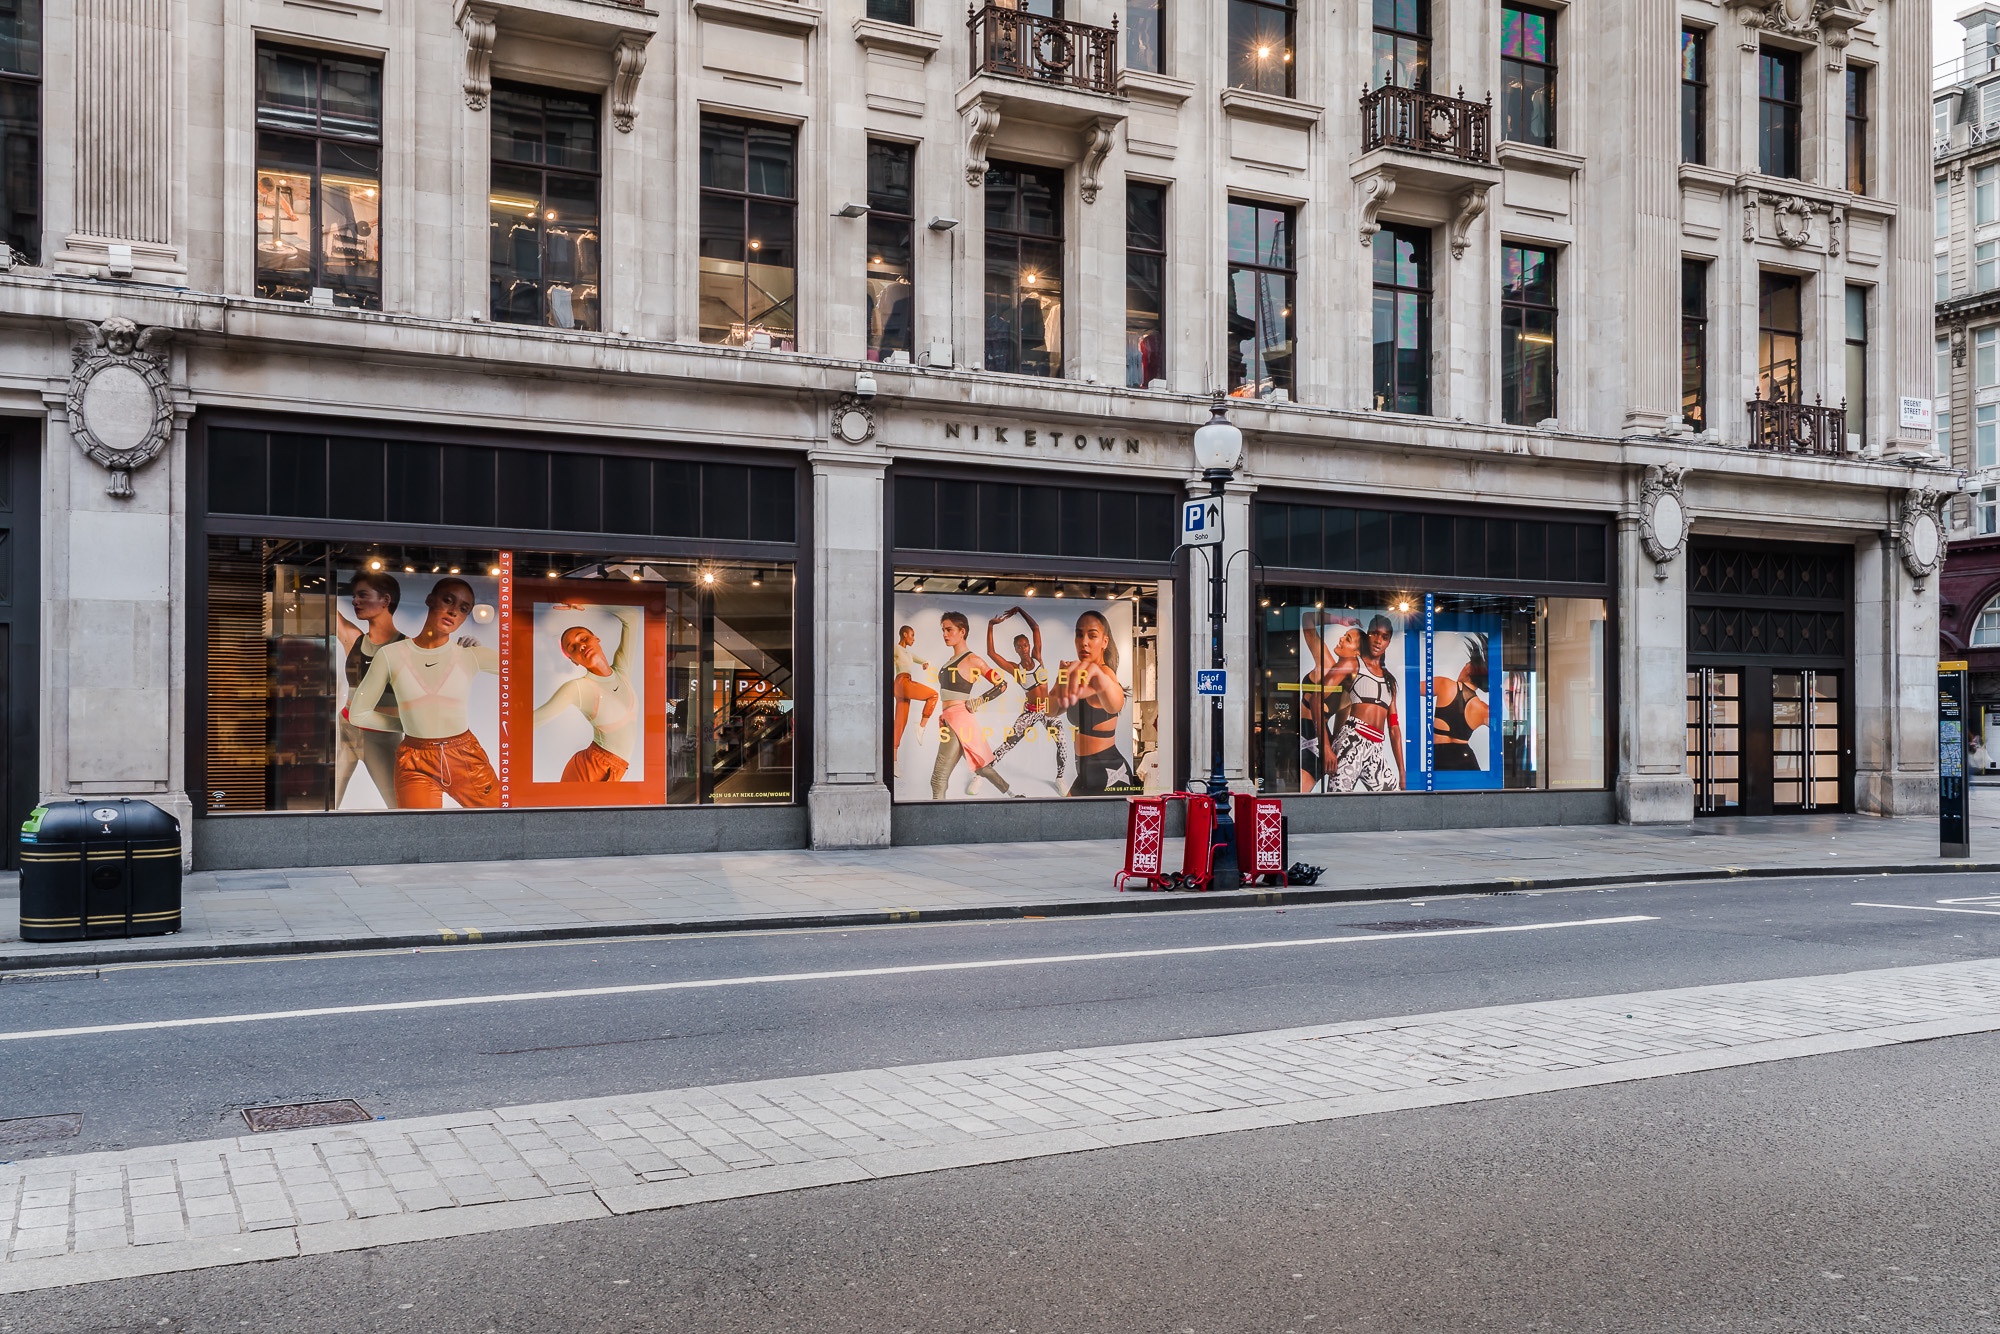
[1201,522]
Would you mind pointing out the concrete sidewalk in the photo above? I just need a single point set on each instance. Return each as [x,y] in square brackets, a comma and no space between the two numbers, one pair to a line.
[329,908]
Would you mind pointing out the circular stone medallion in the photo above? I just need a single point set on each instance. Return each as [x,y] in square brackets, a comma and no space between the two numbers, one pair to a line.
[1669,522]
[119,407]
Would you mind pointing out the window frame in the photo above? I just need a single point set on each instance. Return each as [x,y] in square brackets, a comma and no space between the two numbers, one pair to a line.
[1134,39]
[1019,240]
[543,283]
[1424,291]
[318,137]
[1518,311]
[26,241]
[1985,195]
[1986,357]
[747,200]
[1781,120]
[1986,435]
[1858,87]
[1770,336]
[1986,265]
[1511,93]
[1257,269]
[1985,523]
[1244,63]
[1857,299]
[884,220]
[1419,37]
[902,13]
[1694,95]
[1694,342]
[1140,246]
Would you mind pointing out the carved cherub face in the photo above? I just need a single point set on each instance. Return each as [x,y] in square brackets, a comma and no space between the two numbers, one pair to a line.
[120,335]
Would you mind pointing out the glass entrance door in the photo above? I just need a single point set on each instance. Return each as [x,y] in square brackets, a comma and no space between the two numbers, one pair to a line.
[1715,739]
[1805,740]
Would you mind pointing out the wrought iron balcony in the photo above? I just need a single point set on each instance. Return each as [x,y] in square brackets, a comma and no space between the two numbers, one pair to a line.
[1053,51]
[1418,121]
[1798,428]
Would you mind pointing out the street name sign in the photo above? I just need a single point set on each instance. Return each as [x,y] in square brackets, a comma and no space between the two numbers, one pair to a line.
[1201,522]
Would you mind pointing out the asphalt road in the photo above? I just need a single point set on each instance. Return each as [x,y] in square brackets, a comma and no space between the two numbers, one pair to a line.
[1846,1192]
[176,1084]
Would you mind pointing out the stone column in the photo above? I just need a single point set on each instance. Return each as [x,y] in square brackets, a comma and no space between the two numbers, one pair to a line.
[1904,304]
[1653,783]
[849,799]
[122,222]
[1895,684]
[1236,631]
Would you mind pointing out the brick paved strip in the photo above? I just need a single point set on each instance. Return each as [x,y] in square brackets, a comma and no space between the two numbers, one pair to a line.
[89,1217]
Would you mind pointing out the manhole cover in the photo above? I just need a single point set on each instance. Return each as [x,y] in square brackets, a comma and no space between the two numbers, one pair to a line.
[298,1115]
[1421,924]
[32,1129]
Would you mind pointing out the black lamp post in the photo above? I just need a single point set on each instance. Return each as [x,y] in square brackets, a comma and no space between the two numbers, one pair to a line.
[1218,447]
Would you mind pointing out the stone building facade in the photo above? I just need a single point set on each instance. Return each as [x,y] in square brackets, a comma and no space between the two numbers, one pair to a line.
[560,408]
[1965,128]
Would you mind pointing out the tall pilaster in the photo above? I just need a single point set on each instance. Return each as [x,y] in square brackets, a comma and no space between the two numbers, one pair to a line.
[849,800]
[124,146]
[1903,87]
[1895,684]
[1653,783]
[1650,170]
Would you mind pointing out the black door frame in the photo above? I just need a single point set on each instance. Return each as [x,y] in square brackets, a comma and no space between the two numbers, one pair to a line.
[21,627]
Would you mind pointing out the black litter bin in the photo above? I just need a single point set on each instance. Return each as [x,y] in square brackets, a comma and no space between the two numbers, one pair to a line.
[91,869]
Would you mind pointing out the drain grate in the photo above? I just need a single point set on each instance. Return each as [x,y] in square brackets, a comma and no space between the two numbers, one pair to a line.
[34,1129]
[1421,924]
[299,1115]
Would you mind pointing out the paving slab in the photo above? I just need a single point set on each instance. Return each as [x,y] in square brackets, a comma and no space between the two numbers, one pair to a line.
[435,904]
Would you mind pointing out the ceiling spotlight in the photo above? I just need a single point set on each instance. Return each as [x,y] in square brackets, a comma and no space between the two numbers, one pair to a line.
[409,569]
[708,576]
[493,570]
[454,569]
[1059,592]
[757,579]
[374,564]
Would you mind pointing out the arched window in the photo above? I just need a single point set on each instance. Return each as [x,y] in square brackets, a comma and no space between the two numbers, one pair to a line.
[1986,630]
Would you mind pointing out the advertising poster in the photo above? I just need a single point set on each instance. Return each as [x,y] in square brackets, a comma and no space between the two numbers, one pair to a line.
[997,697]
[1356,665]
[428,659]
[588,707]
[1398,703]
[1466,703]
[420,727]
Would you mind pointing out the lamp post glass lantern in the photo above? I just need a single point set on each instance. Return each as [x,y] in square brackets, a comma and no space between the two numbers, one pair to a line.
[1218,447]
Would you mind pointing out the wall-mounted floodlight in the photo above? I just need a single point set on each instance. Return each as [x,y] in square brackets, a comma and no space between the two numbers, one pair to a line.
[942,224]
[852,211]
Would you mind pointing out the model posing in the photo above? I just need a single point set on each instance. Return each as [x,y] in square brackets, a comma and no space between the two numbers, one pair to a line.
[907,686]
[369,740]
[1368,745]
[432,678]
[962,738]
[604,694]
[1028,671]
[1458,709]
[1317,696]
[1089,690]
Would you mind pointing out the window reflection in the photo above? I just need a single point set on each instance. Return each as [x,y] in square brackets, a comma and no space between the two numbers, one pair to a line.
[543,215]
[748,246]
[1024,269]
[319,177]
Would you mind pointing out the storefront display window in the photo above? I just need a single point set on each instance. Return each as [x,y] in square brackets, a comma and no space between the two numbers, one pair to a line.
[357,676]
[1023,687]
[1372,691]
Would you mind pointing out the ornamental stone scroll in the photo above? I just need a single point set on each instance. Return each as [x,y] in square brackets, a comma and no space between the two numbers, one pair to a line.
[1663,516]
[121,411]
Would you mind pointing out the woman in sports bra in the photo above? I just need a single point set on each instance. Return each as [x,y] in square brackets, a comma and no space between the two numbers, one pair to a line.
[604,695]
[1458,709]
[1368,744]
[963,738]
[1029,670]
[368,741]
[1089,689]
[1316,697]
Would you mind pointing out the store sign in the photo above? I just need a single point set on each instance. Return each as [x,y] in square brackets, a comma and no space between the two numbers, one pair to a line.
[1042,438]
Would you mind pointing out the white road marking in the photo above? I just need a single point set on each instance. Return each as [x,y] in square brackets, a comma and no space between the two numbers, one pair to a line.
[642,988]
[1925,907]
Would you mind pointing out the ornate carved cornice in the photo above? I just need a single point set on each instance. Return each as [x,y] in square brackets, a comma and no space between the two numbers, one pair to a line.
[1828,23]
[1471,202]
[629,58]
[1377,188]
[1098,138]
[982,122]
[121,411]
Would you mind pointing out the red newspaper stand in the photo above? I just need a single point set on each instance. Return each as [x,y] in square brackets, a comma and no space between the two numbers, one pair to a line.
[1260,838]
[1146,837]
